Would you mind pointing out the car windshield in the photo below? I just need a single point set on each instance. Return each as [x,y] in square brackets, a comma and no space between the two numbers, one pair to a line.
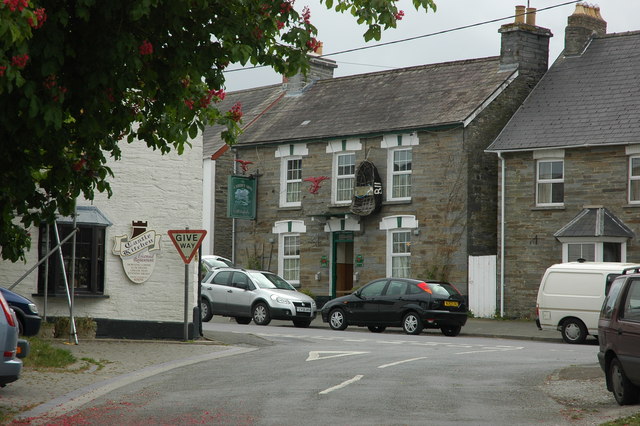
[217,262]
[266,280]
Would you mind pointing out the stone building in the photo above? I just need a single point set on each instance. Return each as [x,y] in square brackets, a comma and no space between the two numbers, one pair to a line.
[380,174]
[570,162]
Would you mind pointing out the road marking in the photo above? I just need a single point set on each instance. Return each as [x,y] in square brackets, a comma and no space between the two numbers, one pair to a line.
[315,355]
[341,385]
[494,349]
[401,362]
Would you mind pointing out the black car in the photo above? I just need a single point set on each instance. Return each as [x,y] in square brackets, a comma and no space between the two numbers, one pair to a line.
[26,312]
[400,302]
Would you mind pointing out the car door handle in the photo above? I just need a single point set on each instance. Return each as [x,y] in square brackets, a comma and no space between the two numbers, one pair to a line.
[229,291]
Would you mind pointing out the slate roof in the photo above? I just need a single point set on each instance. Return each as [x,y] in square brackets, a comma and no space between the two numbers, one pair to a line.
[595,222]
[592,99]
[411,98]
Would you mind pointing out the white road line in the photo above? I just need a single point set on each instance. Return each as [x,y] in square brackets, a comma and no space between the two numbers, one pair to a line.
[315,355]
[502,349]
[401,362]
[341,385]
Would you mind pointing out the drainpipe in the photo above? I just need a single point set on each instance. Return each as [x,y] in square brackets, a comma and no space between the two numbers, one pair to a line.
[502,192]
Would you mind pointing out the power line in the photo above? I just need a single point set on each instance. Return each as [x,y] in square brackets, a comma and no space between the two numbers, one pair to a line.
[464,27]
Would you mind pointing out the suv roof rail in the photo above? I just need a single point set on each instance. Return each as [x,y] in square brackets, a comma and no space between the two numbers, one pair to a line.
[633,269]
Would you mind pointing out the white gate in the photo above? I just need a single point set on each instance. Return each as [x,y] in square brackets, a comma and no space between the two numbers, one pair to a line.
[482,286]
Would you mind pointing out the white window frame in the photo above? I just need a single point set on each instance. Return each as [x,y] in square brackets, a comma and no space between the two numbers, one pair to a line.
[550,181]
[393,142]
[284,258]
[337,177]
[395,225]
[284,229]
[633,180]
[285,182]
[392,174]
[599,246]
[286,153]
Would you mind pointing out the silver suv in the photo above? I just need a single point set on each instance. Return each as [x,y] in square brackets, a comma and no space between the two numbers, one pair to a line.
[258,295]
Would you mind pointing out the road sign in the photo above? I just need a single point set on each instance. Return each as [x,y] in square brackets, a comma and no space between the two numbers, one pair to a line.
[187,241]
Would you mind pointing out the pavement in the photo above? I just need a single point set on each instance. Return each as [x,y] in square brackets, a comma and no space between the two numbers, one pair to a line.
[106,364]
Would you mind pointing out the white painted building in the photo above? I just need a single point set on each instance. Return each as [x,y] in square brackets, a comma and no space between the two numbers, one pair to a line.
[132,285]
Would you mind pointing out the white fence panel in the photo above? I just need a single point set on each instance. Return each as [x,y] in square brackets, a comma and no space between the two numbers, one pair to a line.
[482,286]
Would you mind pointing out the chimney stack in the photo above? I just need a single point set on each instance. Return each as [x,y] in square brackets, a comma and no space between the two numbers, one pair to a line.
[319,69]
[525,46]
[585,23]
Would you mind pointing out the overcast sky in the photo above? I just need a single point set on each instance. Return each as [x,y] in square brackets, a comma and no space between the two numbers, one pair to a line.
[340,32]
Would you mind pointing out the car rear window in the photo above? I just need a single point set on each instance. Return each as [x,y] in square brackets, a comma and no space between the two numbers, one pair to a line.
[439,289]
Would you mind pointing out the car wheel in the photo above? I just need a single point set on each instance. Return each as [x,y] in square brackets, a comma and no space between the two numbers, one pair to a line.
[412,324]
[337,320]
[451,331]
[243,320]
[623,390]
[301,323]
[261,315]
[205,310]
[377,328]
[574,331]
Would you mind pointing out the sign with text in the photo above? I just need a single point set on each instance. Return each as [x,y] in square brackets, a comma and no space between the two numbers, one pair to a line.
[241,203]
[187,241]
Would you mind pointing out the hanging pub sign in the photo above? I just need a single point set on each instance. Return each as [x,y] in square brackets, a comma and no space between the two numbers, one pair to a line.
[138,252]
[241,202]
[367,193]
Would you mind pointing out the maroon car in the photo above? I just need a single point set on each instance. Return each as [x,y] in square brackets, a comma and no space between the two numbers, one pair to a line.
[619,338]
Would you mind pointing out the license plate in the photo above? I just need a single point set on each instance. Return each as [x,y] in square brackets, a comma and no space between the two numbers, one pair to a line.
[451,303]
[303,309]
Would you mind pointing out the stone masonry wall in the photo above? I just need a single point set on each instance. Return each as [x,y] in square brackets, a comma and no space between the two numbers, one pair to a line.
[594,176]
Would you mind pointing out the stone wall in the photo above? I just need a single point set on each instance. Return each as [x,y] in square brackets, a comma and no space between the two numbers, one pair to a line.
[594,176]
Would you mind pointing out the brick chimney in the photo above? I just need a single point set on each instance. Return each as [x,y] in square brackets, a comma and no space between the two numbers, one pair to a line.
[319,69]
[525,46]
[585,23]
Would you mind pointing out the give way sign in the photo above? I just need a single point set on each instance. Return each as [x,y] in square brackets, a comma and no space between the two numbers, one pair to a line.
[187,241]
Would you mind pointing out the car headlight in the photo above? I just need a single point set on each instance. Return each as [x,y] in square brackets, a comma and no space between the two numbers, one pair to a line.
[33,308]
[280,299]
[313,304]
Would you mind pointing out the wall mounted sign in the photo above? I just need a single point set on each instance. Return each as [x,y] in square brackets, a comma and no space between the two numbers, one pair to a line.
[367,193]
[359,260]
[138,252]
[241,202]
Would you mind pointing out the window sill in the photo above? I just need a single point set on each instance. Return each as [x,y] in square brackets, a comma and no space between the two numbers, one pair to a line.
[75,295]
[288,208]
[392,202]
[632,206]
[548,208]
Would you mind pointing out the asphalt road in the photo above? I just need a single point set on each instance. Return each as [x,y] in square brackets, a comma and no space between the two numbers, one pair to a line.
[319,376]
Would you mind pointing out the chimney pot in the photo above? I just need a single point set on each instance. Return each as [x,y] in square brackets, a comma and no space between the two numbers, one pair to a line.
[531,16]
[520,11]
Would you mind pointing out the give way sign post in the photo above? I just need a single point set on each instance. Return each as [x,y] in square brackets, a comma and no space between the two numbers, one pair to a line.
[187,241]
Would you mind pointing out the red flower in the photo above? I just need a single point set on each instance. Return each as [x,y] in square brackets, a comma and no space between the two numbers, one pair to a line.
[189,103]
[399,15]
[286,6]
[146,48]
[16,4]
[236,112]
[313,44]
[280,25]
[306,15]
[3,68]
[20,61]
[41,17]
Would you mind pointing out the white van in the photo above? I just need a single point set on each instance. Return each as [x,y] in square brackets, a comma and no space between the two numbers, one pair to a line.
[571,294]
